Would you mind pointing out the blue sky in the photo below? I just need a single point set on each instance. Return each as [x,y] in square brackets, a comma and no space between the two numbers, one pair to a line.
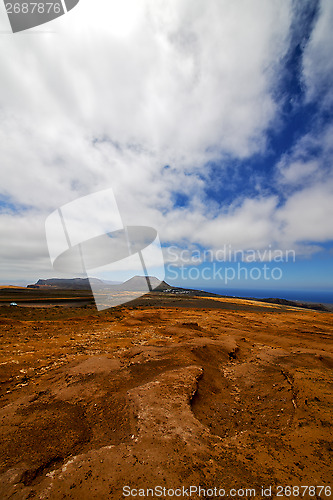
[211,121]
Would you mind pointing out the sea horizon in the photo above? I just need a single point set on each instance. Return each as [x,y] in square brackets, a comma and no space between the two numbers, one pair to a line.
[312,296]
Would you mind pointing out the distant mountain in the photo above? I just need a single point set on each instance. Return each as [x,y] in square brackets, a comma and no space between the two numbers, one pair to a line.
[71,284]
[137,283]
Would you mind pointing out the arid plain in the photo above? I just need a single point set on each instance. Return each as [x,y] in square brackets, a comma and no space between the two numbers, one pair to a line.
[165,391]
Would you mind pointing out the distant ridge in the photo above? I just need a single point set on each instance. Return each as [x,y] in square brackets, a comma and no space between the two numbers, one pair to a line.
[293,303]
[137,283]
[69,284]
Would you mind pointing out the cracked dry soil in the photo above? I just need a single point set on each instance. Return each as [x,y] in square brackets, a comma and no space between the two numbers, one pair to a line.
[147,395]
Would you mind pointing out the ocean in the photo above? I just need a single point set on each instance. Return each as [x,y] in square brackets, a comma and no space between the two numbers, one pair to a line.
[314,296]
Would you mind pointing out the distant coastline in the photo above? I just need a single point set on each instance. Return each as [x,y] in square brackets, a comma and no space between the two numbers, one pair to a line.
[77,292]
[309,296]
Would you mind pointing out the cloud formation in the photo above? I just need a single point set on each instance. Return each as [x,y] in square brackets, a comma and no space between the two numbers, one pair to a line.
[141,97]
[317,60]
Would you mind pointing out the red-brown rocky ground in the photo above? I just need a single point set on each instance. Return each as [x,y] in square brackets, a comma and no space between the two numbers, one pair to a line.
[223,393]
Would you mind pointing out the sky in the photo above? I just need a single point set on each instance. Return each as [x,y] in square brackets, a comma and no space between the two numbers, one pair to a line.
[210,120]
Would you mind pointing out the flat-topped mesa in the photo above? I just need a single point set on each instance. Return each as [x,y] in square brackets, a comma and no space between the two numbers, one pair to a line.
[72,284]
[136,283]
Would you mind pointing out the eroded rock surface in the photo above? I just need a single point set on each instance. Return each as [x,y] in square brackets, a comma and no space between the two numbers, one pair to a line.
[170,397]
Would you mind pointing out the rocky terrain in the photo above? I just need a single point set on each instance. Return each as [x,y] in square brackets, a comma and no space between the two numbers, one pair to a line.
[169,391]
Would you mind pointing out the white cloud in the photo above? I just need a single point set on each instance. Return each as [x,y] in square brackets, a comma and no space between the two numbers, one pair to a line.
[308,214]
[317,60]
[247,226]
[305,176]
[297,172]
[23,250]
[188,77]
